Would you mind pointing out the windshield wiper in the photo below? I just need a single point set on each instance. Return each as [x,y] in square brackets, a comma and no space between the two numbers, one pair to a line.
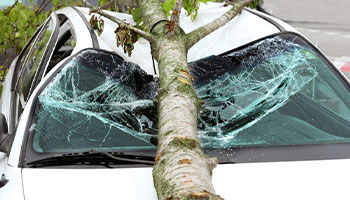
[93,158]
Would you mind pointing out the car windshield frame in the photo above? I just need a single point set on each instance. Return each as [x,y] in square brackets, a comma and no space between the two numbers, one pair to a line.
[243,153]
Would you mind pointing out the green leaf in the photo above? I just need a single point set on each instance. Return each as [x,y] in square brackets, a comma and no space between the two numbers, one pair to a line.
[55,2]
[13,15]
[20,24]
[102,2]
[254,4]
[64,3]
[72,43]
[9,30]
[168,5]
[137,16]
[17,26]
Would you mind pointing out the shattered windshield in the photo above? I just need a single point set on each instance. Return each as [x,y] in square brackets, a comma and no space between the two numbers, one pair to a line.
[277,91]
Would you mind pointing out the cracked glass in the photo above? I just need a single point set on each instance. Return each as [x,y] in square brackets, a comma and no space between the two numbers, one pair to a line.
[97,101]
[277,91]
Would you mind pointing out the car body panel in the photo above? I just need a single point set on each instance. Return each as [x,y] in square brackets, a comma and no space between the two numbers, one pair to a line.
[278,22]
[275,181]
[5,97]
[13,190]
[83,38]
[325,179]
[106,184]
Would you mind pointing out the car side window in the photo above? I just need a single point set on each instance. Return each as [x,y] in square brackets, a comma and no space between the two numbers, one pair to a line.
[64,47]
[25,54]
[30,64]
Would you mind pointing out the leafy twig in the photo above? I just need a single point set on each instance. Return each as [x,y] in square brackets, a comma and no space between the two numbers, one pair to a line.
[140,32]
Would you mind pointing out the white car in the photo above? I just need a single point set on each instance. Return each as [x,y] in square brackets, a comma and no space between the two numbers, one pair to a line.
[78,121]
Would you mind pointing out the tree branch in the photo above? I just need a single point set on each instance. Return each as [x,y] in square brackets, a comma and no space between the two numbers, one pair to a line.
[42,7]
[175,17]
[198,34]
[9,10]
[128,3]
[176,12]
[142,33]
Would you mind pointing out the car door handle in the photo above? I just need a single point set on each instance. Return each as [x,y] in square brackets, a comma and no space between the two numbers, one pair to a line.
[3,181]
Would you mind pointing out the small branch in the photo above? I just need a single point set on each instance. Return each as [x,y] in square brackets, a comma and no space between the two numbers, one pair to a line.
[198,34]
[176,12]
[142,33]
[9,10]
[42,7]
[128,3]
[175,17]
[42,3]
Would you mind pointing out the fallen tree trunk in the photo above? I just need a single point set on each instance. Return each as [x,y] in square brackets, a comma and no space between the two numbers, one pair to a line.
[182,170]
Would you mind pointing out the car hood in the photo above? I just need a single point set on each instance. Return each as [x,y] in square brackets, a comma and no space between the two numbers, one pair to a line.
[275,180]
[88,184]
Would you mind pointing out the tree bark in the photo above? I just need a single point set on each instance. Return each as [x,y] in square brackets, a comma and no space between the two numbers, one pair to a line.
[182,170]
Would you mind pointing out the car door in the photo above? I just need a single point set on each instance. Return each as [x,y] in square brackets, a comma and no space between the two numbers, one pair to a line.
[32,59]
[27,73]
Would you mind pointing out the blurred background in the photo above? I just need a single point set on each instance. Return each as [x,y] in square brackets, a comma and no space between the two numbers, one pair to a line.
[326,22]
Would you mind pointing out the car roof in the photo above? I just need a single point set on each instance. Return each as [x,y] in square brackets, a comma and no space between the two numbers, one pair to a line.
[245,28]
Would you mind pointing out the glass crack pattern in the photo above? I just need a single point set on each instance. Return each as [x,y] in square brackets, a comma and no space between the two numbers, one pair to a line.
[98,101]
[238,96]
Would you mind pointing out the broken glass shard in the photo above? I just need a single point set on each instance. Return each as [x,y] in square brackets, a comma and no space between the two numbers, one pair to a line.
[276,91]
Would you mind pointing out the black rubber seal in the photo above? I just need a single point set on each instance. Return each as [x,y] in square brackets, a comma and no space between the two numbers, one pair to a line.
[273,22]
[155,24]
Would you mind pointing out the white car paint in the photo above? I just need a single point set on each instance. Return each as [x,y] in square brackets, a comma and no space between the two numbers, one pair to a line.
[106,184]
[282,180]
[214,44]
[321,180]
[273,181]
[13,190]
[5,97]
[83,38]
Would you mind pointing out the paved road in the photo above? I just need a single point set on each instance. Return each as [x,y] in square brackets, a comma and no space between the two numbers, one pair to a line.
[326,22]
